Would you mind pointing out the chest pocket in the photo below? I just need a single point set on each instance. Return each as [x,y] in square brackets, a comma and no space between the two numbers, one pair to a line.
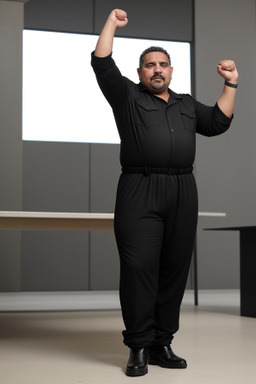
[146,113]
[189,120]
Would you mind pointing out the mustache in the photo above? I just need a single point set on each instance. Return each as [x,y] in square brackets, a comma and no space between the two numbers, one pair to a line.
[157,77]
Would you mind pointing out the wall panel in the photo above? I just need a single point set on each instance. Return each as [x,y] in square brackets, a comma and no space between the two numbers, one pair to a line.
[105,171]
[59,15]
[55,178]
[170,20]
[225,165]
[11,24]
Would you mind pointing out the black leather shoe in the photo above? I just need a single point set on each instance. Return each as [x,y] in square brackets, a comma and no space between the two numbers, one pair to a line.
[138,362]
[165,358]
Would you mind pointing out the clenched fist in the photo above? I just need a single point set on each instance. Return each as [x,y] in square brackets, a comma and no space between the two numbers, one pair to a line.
[227,69]
[118,17]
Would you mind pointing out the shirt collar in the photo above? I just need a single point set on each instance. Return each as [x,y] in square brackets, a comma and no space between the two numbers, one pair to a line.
[173,94]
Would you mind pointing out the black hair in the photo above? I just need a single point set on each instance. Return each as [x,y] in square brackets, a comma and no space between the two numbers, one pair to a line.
[153,49]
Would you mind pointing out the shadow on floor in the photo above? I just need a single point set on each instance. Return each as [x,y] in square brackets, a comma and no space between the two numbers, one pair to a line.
[73,335]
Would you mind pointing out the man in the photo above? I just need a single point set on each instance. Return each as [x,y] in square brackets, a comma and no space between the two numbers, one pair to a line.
[156,206]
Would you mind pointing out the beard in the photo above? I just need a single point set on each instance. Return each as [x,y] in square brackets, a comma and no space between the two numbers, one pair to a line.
[157,86]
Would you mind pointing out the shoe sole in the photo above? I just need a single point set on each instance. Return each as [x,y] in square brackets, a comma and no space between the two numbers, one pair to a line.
[136,372]
[162,365]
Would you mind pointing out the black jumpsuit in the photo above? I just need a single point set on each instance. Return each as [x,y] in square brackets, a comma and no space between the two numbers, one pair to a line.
[156,205]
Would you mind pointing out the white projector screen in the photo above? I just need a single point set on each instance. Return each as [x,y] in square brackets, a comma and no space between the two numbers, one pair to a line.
[61,98]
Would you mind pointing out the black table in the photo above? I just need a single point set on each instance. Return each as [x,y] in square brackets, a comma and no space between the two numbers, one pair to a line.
[247,268]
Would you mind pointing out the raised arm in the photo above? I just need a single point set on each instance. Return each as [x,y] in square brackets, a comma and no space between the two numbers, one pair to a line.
[116,19]
[227,69]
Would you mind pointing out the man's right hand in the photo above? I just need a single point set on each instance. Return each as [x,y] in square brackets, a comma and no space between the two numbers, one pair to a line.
[118,17]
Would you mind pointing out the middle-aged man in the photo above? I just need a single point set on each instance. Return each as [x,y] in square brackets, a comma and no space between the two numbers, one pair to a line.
[156,205]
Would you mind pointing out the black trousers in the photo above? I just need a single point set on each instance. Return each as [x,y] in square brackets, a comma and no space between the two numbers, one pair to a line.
[155,225]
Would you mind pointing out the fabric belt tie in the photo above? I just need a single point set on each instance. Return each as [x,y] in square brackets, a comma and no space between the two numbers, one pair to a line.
[166,171]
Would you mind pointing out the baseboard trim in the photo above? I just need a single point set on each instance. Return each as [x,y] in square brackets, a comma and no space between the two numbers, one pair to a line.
[100,300]
[59,301]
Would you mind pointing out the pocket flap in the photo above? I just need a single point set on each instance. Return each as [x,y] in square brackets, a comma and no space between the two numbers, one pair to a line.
[147,106]
[191,115]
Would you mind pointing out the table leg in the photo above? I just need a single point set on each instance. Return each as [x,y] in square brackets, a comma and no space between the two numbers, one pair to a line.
[195,273]
[248,271]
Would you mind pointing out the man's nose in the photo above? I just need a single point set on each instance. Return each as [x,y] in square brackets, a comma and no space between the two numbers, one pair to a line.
[158,68]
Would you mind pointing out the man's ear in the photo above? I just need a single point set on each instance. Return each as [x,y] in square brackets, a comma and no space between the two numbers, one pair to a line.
[171,72]
[138,71]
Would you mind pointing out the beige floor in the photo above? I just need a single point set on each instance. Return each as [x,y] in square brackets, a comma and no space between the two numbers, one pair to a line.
[86,347]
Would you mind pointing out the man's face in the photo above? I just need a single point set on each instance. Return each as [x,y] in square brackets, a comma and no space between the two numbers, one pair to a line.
[156,72]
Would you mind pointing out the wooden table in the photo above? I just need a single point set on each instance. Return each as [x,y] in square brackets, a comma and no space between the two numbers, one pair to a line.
[56,221]
[22,220]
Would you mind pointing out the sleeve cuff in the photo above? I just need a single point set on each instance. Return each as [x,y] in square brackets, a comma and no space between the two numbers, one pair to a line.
[101,62]
[221,115]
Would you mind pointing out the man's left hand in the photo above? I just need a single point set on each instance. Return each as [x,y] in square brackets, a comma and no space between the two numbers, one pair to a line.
[227,69]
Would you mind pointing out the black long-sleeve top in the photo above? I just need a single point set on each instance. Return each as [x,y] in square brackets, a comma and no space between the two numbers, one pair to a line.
[154,133]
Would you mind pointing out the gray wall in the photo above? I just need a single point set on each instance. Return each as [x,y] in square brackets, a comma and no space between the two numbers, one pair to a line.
[71,177]
[11,24]
[225,165]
